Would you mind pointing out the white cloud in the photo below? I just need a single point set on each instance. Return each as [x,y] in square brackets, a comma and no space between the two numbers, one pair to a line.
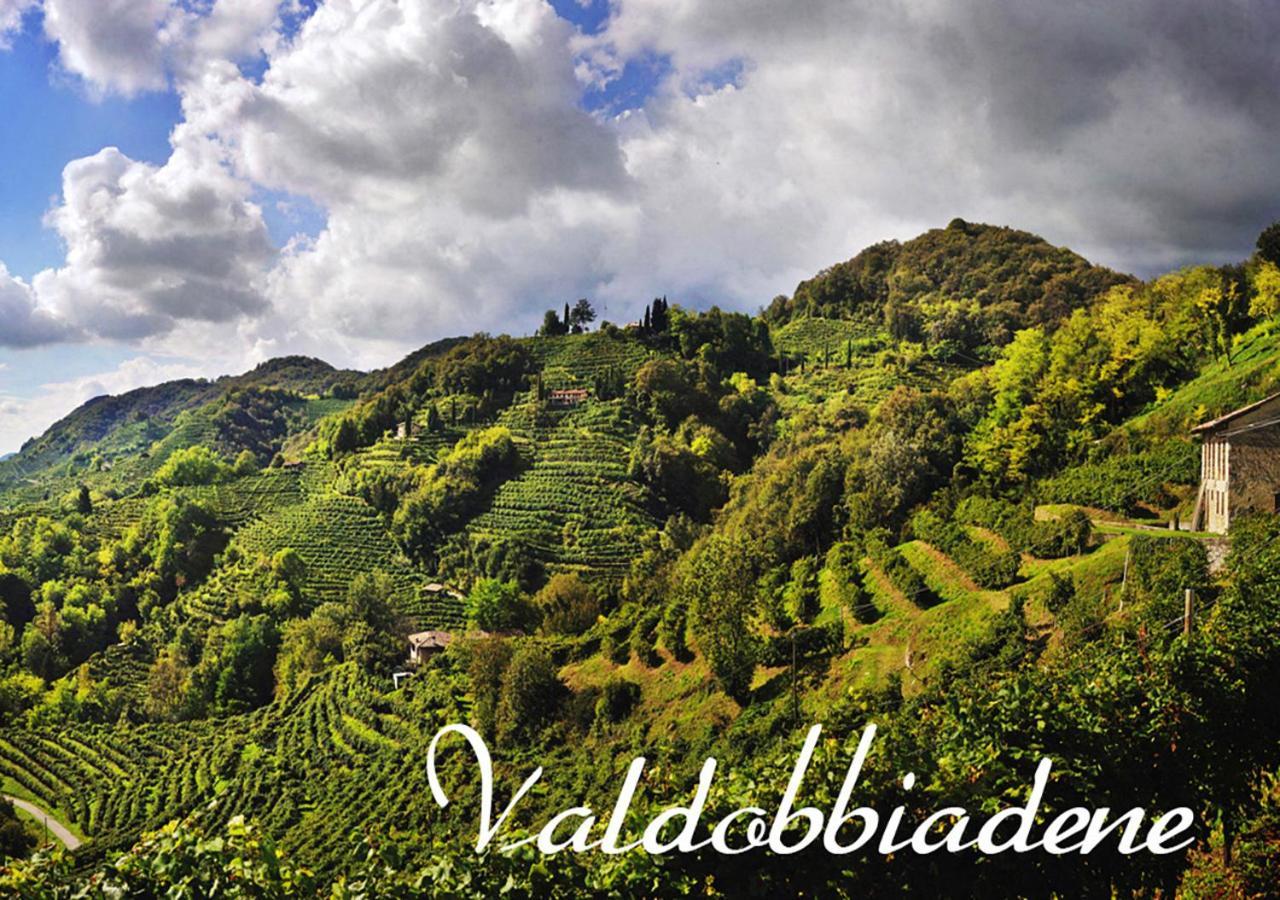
[465,188]
[446,144]
[11,13]
[21,417]
[114,45]
[130,46]
[23,323]
[149,247]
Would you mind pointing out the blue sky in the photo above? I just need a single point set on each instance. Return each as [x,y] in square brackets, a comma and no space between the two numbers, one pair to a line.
[52,118]
[48,121]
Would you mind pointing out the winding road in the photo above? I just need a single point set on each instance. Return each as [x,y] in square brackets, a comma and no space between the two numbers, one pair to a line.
[56,828]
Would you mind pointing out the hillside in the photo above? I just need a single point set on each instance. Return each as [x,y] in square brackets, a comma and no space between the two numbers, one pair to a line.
[114,428]
[695,537]
[970,286]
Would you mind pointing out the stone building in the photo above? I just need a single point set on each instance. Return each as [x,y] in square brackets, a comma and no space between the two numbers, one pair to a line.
[570,397]
[1239,465]
[426,644]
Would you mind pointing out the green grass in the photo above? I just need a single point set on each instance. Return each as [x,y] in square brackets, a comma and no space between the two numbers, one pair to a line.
[1253,373]
[1093,573]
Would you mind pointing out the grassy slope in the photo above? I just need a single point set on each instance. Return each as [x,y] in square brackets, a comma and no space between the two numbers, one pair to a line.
[1253,373]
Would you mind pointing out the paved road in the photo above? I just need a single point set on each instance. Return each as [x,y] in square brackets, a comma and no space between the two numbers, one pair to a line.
[56,828]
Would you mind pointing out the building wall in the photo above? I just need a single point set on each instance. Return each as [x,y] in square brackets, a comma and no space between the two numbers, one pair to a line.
[1214,482]
[1255,472]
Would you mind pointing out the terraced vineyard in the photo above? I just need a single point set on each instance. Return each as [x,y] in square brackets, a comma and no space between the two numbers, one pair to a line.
[254,496]
[582,357]
[573,505]
[299,765]
[338,537]
[113,518]
[816,338]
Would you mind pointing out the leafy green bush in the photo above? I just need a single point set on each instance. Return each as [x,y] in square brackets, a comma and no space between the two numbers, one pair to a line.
[531,692]
[193,466]
[618,700]
[1067,535]
[840,583]
[497,606]
[903,576]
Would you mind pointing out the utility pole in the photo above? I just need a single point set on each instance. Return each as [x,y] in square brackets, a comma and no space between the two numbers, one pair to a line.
[1188,598]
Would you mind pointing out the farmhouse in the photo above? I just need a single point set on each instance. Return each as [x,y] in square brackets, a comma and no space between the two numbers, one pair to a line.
[570,397]
[1239,465]
[426,644]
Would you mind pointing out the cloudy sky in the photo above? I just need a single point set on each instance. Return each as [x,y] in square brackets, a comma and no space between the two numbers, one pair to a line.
[188,187]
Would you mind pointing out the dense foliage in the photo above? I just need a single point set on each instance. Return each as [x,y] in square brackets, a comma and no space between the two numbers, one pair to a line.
[691,536]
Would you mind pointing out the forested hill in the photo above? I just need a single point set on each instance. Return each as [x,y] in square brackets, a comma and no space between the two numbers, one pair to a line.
[933,490]
[968,283]
[109,428]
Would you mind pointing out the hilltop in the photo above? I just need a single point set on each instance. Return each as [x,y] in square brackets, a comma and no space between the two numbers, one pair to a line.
[917,492]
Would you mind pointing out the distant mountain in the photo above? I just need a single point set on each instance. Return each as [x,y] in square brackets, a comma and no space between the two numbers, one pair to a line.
[112,427]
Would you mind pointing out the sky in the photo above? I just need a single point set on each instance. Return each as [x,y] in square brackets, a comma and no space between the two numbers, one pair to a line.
[190,187]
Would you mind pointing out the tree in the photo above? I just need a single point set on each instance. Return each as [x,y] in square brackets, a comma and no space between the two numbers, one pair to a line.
[84,502]
[583,315]
[246,464]
[375,632]
[15,841]
[552,325]
[660,319]
[495,605]
[167,684]
[309,646]
[1264,284]
[568,604]
[242,670]
[719,588]
[434,422]
[489,660]
[192,466]
[531,693]
[1269,244]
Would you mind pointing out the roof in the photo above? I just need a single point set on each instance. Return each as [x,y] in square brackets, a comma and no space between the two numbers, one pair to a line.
[1215,424]
[431,640]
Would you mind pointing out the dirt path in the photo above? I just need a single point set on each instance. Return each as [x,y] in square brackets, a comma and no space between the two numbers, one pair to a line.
[56,828]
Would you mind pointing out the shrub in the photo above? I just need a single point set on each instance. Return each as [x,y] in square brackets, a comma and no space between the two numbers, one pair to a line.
[192,466]
[531,693]
[672,631]
[620,697]
[643,637]
[905,578]
[840,583]
[1067,535]
[497,605]
[568,605]
[989,567]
